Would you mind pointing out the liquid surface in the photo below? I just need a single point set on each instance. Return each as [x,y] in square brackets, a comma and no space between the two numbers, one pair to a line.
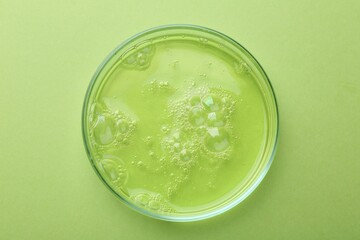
[177,126]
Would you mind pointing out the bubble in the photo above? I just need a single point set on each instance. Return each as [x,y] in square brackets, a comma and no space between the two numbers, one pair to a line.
[139,59]
[142,62]
[197,116]
[154,205]
[215,119]
[122,126]
[170,193]
[203,75]
[211,103]
[131,60]
[185,155]
[143,199]
[153,201]
[163,84]
[165,129]
[147,50]
[211,185]
[212,116]
[203,40]
[217,139]
[114,170]
[122,175]
[242,67]
[104,130]
[125,141]
[110,169]
[195,101]
[95,109]
[225,100]
[177,147]
[176,135]
[140,164]
[201,130]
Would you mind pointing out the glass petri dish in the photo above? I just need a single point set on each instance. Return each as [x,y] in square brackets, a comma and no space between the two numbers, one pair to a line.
[180,122]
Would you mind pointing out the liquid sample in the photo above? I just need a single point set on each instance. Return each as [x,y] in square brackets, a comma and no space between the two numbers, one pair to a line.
[177,125]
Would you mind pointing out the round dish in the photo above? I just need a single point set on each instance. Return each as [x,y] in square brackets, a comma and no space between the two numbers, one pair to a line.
[180,122]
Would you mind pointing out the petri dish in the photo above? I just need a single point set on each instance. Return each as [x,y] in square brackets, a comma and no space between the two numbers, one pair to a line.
[180,122]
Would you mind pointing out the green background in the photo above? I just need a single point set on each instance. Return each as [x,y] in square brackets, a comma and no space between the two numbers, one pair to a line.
[49,51]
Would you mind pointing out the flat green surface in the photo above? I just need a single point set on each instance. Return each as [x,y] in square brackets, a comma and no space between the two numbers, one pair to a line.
[50,50]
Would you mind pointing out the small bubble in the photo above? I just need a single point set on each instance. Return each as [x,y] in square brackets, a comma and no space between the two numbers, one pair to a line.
[148,140]
[203,40]
[163,84]
[211,185]
[125,141]
[203,75]
[140,164]
[165,129]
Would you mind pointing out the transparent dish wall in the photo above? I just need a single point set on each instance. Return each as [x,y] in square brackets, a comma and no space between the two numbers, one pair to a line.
[214,110]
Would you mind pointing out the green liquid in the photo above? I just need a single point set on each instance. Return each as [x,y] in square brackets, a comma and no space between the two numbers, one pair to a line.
[177,126]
